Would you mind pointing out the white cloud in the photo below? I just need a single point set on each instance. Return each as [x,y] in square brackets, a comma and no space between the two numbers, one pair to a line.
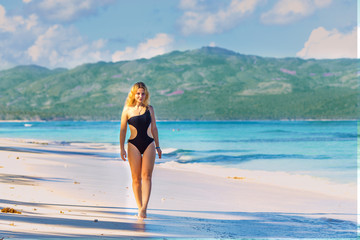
[16,34]
[64,47]
[286,11]
[9,24]
[31,22]
[188,4]
[322,3]
[330,44]
[13,23]
[358,42]
[67,10]
[26,1]
[212,44]
[4,64]
[158,45]
[197,19]
[28,39]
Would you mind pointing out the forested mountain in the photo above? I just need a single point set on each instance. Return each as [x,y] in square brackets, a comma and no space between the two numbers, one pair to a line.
[204,84]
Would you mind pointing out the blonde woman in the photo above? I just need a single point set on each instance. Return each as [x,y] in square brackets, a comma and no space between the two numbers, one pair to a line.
[142,144]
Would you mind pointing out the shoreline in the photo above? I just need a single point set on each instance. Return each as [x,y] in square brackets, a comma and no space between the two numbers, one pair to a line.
[299,181]
[283,179]
[62,191]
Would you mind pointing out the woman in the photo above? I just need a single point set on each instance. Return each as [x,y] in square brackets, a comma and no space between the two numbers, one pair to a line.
[142,143]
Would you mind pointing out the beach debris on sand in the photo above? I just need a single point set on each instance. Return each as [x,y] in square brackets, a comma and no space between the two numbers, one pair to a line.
[10,210]
[239,178]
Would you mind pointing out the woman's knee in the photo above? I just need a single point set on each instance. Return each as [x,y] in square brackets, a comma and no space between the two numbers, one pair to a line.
[146,177]
[136,180]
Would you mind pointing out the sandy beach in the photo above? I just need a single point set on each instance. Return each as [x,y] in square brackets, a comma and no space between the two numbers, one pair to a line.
[80,190]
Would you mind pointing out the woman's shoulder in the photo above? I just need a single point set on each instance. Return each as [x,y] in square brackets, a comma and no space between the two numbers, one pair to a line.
[151,109]
[126,109]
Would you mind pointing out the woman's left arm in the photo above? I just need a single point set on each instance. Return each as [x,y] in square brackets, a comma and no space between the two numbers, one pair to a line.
[154,131]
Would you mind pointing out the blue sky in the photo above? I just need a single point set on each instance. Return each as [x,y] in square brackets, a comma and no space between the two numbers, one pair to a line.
[67,33]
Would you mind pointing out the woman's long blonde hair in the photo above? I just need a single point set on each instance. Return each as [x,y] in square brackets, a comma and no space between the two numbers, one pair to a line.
[130,101]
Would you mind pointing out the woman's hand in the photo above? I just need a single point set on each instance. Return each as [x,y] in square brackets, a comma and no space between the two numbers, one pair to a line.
[159,152]
[123,154]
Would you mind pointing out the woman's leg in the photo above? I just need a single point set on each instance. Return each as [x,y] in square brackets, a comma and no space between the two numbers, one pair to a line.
[134,157]
[148,161]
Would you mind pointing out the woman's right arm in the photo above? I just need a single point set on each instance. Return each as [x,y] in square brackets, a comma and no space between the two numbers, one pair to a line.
[123,127]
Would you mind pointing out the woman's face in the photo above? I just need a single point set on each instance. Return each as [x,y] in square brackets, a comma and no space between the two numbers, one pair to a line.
[140,95]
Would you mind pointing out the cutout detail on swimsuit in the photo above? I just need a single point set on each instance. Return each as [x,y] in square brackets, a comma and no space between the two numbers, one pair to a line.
[141,123]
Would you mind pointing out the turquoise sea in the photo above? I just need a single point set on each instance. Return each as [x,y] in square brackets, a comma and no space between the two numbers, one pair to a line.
[323,149]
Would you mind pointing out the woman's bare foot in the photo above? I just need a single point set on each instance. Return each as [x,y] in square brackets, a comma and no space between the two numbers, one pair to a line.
[142,213]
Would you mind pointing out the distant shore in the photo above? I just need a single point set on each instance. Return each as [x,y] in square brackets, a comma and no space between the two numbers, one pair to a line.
[76,191]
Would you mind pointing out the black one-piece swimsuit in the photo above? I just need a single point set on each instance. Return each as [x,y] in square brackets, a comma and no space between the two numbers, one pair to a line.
[141,123]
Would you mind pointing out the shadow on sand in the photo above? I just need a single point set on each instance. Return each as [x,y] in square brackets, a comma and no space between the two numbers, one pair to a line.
[178,223]
[27,180]
[104,155]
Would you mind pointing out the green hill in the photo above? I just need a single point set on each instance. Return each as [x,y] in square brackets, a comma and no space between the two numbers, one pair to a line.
[203,84]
